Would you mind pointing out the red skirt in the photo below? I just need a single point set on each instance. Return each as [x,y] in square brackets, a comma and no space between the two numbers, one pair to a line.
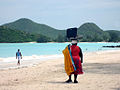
[78,66]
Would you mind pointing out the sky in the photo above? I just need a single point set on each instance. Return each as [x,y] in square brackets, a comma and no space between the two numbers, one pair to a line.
[63,14]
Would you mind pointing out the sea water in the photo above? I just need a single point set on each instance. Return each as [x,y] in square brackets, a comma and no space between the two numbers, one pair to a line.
[44,51]
[29,49]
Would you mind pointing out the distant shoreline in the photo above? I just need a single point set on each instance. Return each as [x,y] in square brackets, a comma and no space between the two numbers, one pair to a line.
[62,42]
[118,46]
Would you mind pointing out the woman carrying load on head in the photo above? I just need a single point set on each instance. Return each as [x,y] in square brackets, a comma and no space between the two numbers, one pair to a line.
[73,58]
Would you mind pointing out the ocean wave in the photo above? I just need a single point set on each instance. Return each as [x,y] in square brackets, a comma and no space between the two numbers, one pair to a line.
[33,57]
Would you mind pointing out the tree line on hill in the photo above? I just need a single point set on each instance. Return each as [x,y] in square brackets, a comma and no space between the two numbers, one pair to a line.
[25,30]
[14,36]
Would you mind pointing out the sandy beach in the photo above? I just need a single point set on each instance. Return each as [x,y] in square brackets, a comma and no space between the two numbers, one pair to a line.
[101,72]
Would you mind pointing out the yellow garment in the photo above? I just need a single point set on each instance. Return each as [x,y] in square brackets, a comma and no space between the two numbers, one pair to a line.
[67,61]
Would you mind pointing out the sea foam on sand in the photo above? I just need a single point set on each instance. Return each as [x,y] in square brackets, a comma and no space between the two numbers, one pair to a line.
[11,62]
[33,57]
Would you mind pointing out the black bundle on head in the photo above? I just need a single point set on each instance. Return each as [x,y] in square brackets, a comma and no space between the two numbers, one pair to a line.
[71,33]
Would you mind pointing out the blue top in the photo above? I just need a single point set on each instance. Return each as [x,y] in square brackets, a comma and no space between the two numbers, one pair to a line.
[18,54]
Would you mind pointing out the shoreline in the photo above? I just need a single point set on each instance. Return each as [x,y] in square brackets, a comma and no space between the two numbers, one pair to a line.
[26,61]
[35,60]
[101,70]
[67,42]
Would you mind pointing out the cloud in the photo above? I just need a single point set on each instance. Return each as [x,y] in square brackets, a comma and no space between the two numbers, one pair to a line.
[71,12]
[107,4]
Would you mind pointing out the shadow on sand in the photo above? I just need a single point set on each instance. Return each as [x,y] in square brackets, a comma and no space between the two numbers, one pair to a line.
[95,68]
[102,68]
[60,82]
[57,82]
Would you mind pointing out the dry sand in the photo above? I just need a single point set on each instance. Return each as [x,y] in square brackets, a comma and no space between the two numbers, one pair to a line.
[101,72]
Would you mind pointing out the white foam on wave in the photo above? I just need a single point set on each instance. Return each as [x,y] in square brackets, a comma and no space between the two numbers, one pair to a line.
[33,57]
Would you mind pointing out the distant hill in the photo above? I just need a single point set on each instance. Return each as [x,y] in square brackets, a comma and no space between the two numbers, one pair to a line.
[91,32]
[114,35]
[9,35]
[14,36]
[28,25]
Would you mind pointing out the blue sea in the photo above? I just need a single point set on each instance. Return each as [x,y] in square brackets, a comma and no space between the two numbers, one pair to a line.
[33,53]
[29,49]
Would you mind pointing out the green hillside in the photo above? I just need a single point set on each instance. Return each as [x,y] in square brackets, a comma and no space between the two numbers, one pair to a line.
[13,36]
[43,33]
[114,35]
[91,32]
[32,27]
